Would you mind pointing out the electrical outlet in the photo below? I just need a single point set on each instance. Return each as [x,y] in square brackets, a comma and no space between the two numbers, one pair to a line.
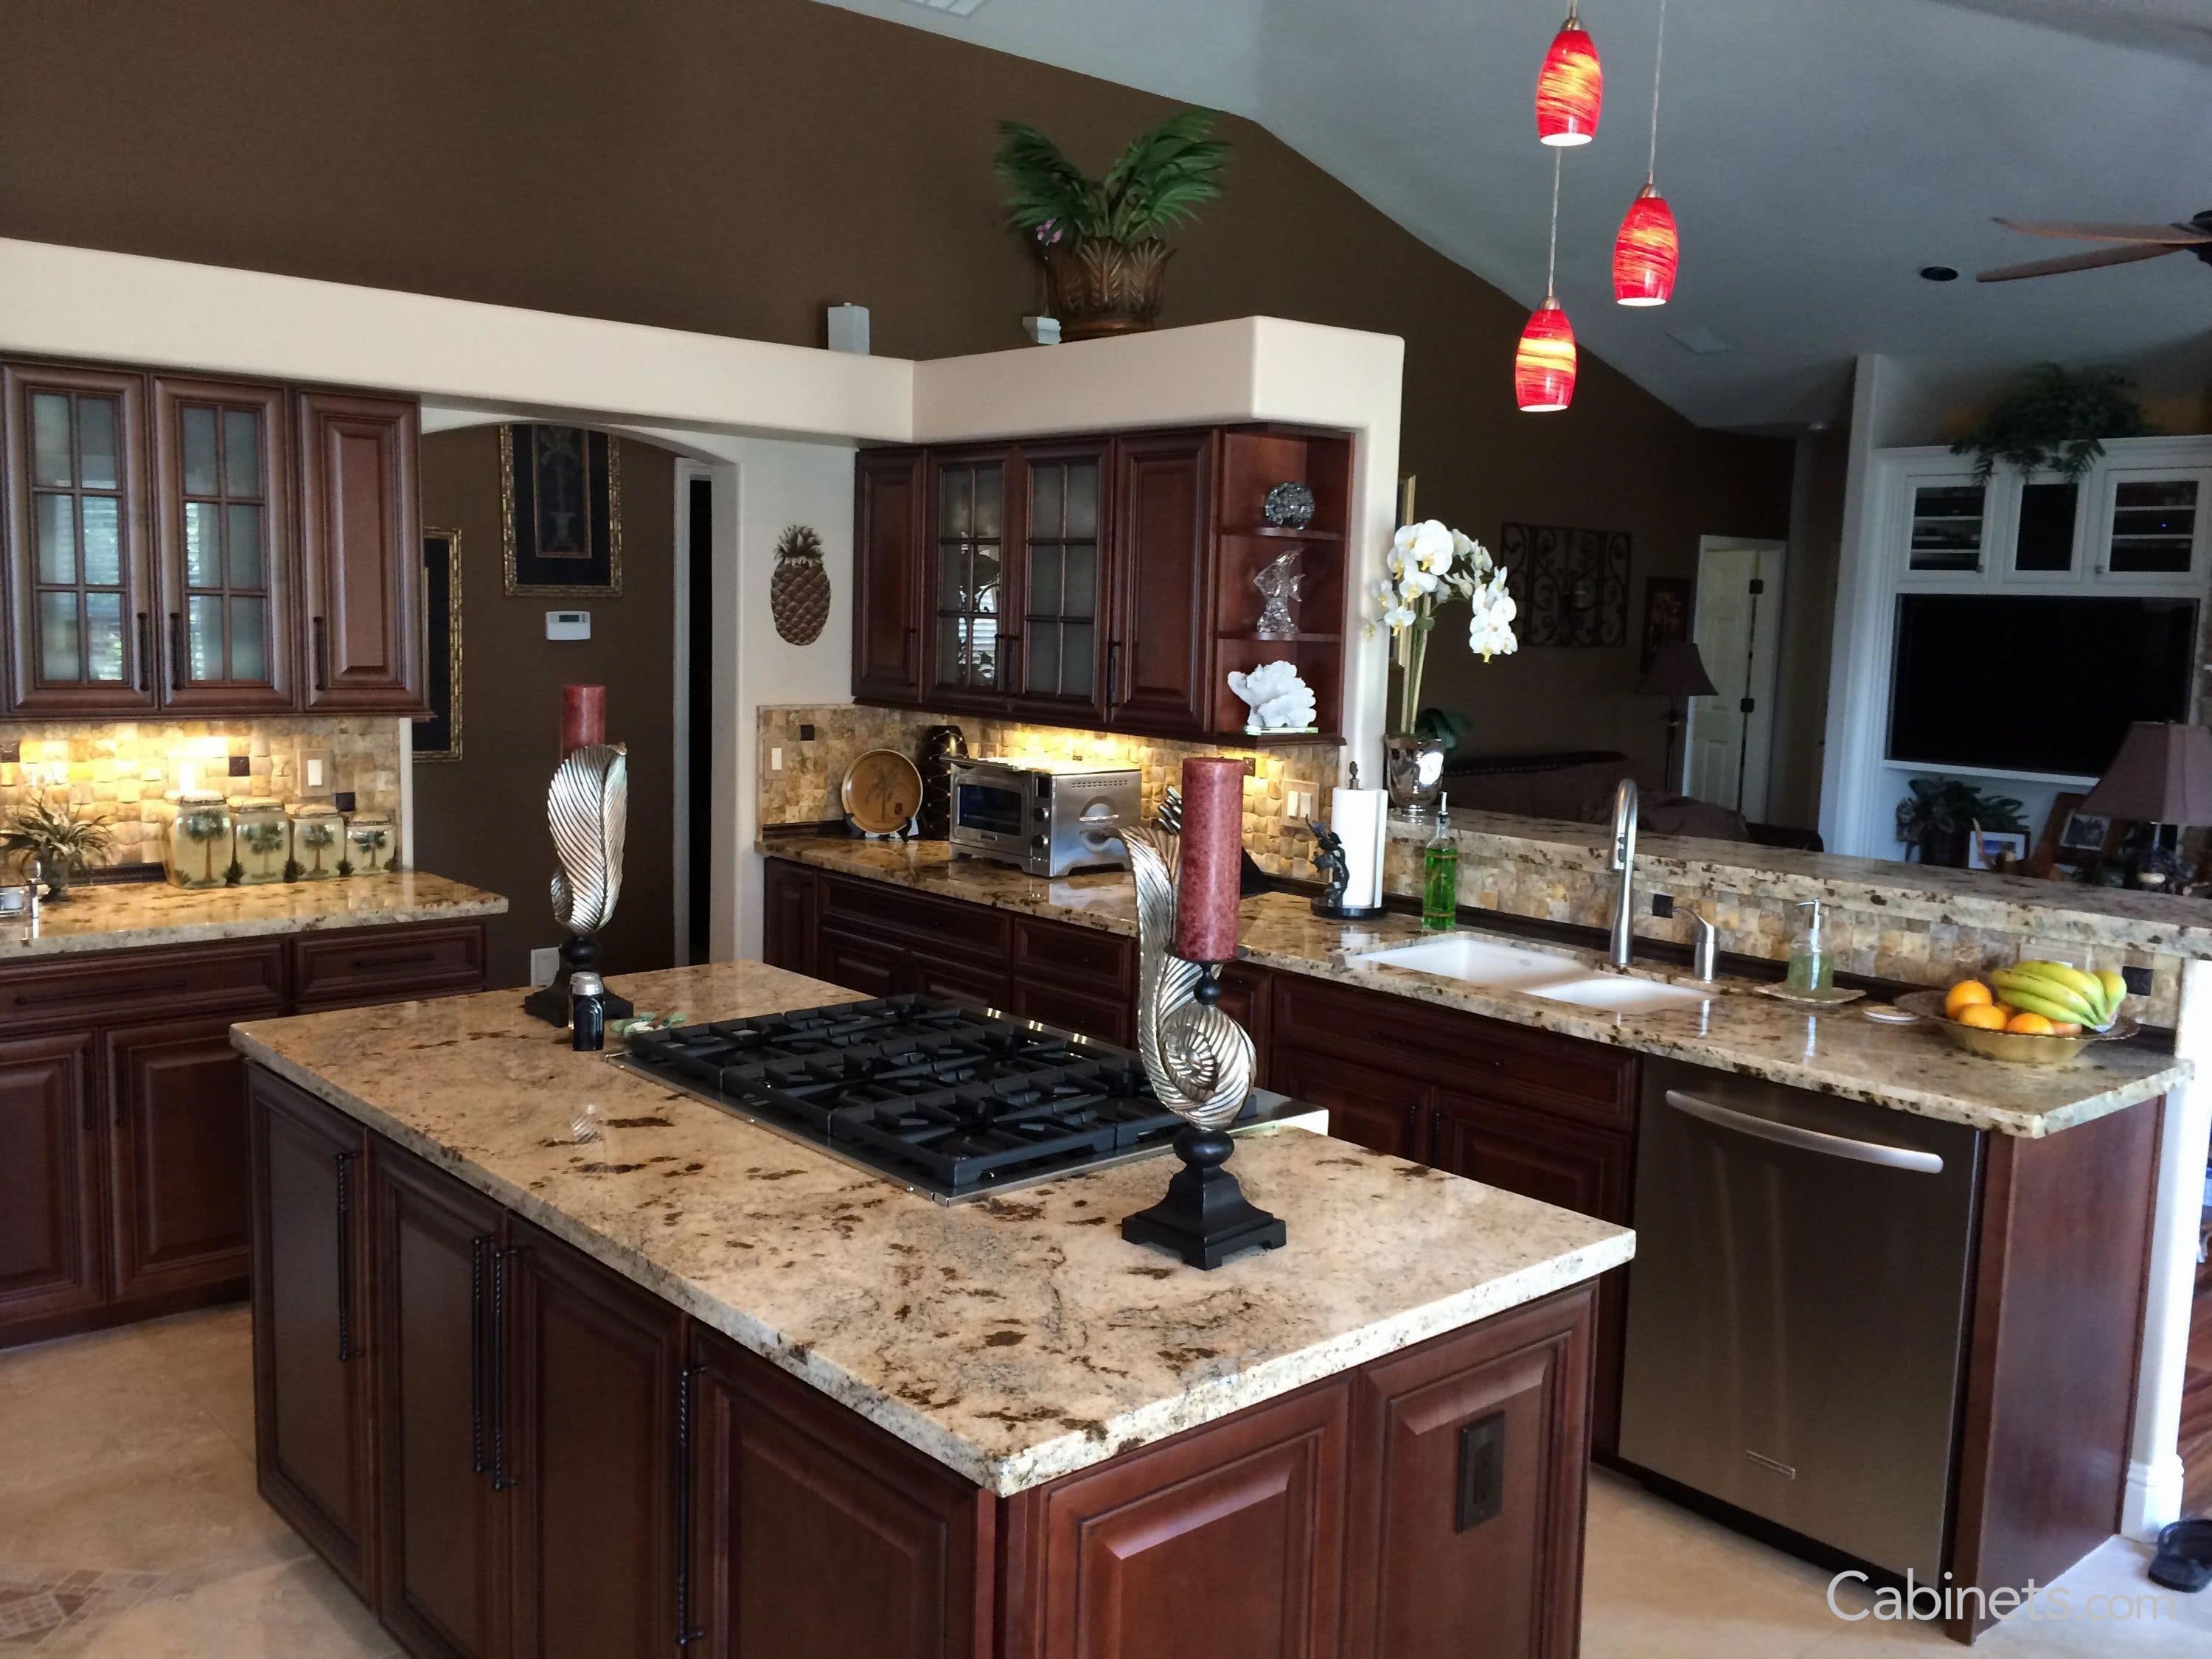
[11,754]
[807,734]
[1663,904]
[241,766]
[344,801]
[543,965]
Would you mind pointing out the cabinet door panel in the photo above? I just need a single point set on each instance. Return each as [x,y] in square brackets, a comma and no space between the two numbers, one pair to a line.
[790,909]
[361,553]
[79,578]
[866,965]
[177,1153]
[442,1525]
[224,543]
[888,531]
[1161,568]
[947,976]
[973,630]
[593,1402]
[1366,1106]
[789,1485]
[49,1181]
[1059,590]
[1228,1540]
[1498,1577]
[1109,1014]
[311,1330]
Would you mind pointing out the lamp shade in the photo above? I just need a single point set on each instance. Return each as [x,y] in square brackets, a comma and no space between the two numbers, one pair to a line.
[1544,362]
[1677,671]
[1646,253]
[2162,775]
[1570,90]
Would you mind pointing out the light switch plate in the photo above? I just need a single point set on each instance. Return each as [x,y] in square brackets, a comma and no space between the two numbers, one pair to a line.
[568,624]
[544,962]
[316,777]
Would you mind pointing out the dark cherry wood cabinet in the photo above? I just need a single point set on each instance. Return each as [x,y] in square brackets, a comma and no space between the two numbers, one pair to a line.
[791,910]
[1387,1114]
[360,552]
[1103,581]
[123,1124]
[312,1431]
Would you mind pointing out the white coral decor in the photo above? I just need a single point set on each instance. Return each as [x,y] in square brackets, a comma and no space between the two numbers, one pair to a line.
[1428,563]
[1280,701]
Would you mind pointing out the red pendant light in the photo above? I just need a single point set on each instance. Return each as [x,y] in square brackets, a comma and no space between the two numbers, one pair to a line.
[1544,363]
[1647,251]
[1649,248]
[1571,90]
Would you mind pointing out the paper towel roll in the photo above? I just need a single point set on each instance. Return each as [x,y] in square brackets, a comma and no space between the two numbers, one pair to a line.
[1359,816]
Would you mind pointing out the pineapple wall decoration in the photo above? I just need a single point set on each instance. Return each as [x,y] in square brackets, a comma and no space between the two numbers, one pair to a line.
[799,594]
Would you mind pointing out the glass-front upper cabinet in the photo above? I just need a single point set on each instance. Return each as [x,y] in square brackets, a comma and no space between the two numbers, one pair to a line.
[223,538]
[2046,528]
[76,567]
[1948,517]
[2151,523]
[1060,591]
[968,579]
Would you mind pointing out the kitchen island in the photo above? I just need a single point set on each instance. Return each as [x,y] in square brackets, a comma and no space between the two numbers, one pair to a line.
[550,1355]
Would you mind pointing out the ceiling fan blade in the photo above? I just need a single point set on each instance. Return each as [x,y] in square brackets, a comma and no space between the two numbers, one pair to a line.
[2090,261]
[2090,230]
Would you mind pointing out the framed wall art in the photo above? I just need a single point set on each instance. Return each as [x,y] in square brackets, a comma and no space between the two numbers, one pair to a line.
[439,738]
[1571,586]
[560,491]
[1665,615]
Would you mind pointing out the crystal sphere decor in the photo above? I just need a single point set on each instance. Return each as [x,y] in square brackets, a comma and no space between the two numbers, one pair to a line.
[1647,251]
[1571,90]
[1544,363]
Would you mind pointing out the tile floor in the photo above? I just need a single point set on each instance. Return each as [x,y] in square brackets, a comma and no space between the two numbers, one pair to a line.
[130,1529]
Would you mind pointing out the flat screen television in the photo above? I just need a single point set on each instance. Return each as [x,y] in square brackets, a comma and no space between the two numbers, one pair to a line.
[2034,682]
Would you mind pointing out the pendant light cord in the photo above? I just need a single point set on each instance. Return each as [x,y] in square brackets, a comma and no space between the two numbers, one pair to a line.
[1658,61]
[1552,261]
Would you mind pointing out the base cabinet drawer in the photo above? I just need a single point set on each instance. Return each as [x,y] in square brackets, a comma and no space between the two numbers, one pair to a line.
[134,984]
[382,965]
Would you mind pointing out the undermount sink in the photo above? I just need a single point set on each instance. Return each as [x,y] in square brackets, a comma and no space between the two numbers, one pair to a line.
[1619,994]
[1479,961]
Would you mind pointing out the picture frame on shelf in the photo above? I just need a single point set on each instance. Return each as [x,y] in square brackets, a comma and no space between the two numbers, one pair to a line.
[1995,849]
[560,491]
[2073,842]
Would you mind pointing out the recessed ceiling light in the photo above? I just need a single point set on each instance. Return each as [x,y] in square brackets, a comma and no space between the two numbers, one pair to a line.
[1940,273]
[1700,342]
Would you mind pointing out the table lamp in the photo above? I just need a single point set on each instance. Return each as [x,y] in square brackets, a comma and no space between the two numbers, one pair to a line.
[1677,671]
[2162,776]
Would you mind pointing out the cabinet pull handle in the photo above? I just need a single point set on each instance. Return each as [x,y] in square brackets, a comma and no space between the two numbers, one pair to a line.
[476,1247]
[367,961]
[342,1166]
[77,993]
[1112,671]
[322,656]
[145,649]
[500,1479]
[686,1633]
[176,651]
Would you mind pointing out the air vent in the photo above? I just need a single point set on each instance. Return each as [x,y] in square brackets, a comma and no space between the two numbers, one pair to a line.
[1700,342]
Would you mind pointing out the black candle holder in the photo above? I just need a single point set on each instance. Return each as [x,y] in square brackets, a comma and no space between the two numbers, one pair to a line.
[579,953]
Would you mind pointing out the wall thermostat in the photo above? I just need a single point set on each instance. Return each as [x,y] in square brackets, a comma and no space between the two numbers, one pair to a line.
[568,624]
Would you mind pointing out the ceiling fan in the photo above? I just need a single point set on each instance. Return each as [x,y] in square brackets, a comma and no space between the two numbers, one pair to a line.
[2131,242]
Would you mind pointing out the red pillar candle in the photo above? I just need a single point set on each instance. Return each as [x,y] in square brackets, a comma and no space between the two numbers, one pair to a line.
[583,716]
[1212,859]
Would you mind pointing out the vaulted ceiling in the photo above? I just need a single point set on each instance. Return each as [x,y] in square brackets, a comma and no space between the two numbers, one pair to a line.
[1817,153]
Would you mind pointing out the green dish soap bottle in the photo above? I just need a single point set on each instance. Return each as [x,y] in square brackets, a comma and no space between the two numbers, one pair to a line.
[1811,967]
[1440,874]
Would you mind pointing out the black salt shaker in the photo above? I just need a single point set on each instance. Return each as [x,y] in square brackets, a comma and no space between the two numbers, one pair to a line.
[588,1012]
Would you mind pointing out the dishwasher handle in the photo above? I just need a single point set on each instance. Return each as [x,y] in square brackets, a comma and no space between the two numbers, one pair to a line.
[1908,1159]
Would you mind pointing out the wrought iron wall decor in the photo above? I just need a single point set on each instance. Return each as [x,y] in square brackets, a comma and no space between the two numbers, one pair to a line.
[439,738]
[1571,586]
[560,491]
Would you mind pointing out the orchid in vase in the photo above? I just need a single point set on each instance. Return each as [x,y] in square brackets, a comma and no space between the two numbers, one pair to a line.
[1428,563]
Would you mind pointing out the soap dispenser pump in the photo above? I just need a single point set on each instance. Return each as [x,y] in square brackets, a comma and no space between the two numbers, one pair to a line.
[1810,969]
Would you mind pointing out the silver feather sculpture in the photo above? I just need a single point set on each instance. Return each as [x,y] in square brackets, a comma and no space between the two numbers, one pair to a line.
[1198,1060]
[587,805]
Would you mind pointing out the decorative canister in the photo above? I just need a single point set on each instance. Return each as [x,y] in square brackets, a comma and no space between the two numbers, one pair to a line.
[940,746]
[318,835]
[263,838]
[371,843]
[199,840]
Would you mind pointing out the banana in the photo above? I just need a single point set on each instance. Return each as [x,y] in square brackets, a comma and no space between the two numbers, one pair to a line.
[2059,1013]
[2047,997]
[2115,991]
[2086,986]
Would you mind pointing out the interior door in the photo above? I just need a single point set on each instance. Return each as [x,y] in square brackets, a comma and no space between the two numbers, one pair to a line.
[1158,654]
[48,1178]
[361,552]
[1738,632]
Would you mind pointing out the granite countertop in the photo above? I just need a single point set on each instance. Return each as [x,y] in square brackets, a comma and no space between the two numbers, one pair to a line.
[1014,1339]
[1840,1052]
[131,915]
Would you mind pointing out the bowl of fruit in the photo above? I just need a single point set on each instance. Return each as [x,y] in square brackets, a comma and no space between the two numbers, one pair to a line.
[2033,1014]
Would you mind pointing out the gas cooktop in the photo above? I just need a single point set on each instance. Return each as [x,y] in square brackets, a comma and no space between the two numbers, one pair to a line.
[952,1101]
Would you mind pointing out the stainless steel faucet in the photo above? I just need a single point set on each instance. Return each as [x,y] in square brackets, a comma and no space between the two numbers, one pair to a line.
[1623,861]
[1705,947]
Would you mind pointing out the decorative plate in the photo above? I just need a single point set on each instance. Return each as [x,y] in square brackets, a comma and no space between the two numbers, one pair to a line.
[1289,506]
[882,792]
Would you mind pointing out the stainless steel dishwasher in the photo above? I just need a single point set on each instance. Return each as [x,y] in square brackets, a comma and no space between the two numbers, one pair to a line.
[1797,1308]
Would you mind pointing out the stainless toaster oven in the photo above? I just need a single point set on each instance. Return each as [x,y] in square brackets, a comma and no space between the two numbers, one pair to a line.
[1047,817]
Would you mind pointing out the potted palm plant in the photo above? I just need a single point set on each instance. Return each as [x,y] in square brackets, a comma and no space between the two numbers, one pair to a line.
[62,846]
[1100,238]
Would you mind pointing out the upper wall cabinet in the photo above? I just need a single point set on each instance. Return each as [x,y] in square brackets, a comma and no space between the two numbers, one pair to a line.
[79,587]
[209,547]
[1107,581]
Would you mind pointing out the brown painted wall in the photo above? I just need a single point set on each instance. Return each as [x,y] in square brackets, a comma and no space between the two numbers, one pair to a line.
[732,166]
[482,819]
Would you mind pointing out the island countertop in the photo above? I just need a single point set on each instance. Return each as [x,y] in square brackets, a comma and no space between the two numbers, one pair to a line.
[134,915]
[1838,1052]
[1015,1339]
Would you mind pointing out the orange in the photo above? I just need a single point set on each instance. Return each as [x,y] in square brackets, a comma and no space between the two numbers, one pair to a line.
[2028,1024]
[1982,1017]
[1967,994]
[2065,1028]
